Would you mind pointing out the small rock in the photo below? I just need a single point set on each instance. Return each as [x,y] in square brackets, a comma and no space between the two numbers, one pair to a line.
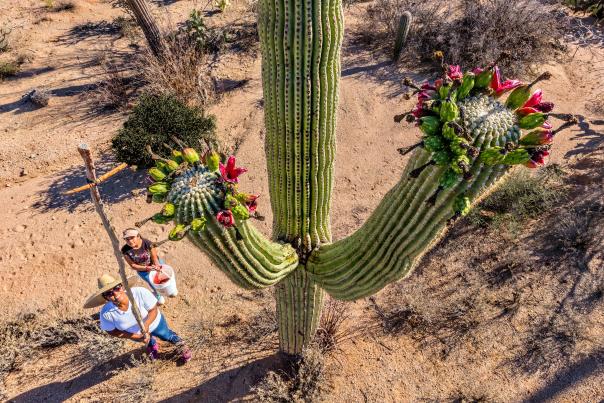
[20,228]
[38,97]
[23,172]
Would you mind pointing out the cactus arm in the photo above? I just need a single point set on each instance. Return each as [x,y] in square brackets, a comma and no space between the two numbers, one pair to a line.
[250,260]
[400,231]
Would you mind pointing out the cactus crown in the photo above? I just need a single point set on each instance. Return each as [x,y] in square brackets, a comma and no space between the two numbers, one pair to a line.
[465,124]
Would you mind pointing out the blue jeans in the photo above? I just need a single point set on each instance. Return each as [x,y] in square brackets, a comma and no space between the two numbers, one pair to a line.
[163,332]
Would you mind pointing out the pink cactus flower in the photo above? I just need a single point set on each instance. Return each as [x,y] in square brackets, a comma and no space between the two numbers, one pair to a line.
[547,125]
[477,70]
[455,72]
[225,217]
[428,86]
[501,87]
[229,172]
[534,99]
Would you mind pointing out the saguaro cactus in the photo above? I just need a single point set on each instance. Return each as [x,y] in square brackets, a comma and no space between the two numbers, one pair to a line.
[470,140]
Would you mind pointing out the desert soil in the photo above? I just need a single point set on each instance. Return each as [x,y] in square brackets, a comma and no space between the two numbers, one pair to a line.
[53,246]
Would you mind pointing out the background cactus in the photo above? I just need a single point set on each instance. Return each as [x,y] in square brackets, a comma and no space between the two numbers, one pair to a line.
[470,140]
[404,24]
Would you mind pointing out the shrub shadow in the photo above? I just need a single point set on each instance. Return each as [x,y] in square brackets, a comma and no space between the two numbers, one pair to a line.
[89,30]
[119,187]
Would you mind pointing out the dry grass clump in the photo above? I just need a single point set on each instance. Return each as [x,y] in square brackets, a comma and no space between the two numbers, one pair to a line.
[470,33]
[307,381]
[30,333]
[181,72]
[332,330]
[523,195]
[64,5]
[5,45]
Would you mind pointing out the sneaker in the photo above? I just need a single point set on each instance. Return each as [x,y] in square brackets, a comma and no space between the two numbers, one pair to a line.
[160,299]
[153,351]
[186,355]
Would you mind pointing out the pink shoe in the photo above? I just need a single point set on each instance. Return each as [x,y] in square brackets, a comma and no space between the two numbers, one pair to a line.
[153,351]
[186,355]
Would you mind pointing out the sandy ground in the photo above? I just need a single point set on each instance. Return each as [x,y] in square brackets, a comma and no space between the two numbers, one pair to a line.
[53,246]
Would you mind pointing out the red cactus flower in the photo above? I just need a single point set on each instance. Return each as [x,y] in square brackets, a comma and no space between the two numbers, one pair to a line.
[229,172]
[545,107]
[426,95]
[537,159]
[438,83]
[225,217]
[251,203]
[526,110]
[501,87]
[418,111]
[427,86]
[455,73]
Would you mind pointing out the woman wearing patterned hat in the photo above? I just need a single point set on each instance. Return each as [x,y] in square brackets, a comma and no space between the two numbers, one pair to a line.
[118,320]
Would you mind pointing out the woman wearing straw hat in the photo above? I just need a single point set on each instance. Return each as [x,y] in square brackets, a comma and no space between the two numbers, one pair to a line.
[118,320]
[141,255]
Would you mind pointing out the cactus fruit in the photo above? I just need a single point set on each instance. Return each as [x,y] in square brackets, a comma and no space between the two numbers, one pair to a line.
[473,133]
[404,23]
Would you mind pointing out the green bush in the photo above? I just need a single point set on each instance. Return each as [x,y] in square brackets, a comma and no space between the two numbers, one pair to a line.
[8,69]
[153,121]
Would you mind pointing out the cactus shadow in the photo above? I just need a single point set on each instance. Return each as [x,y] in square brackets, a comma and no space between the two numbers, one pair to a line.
[122,186]
[591,139]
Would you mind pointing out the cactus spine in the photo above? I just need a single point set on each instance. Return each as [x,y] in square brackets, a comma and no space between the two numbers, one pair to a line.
[404,24]
[470,139]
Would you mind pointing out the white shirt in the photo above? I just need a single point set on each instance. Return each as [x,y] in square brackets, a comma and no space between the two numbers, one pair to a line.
[114,318]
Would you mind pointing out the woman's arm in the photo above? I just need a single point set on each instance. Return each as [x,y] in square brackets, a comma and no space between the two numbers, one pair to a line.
[154,258]
[126,335]
[151,315]
[136,266]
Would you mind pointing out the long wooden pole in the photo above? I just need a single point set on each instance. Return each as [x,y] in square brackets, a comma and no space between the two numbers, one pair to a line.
[84,151]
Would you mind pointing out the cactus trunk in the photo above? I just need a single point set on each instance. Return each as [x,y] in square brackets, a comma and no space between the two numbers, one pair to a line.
[299,303]
[300,43]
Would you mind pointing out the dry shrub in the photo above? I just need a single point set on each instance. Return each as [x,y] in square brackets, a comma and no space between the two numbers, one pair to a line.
[118,89]
[306,383]
[23,338]
[332,327]
[470,33]
[181,72]
[523,195]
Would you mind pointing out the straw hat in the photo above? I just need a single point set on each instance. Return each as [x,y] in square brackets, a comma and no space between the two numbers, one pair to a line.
[105,283]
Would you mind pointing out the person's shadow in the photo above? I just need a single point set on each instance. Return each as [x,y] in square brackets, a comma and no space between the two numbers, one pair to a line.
[61,391]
